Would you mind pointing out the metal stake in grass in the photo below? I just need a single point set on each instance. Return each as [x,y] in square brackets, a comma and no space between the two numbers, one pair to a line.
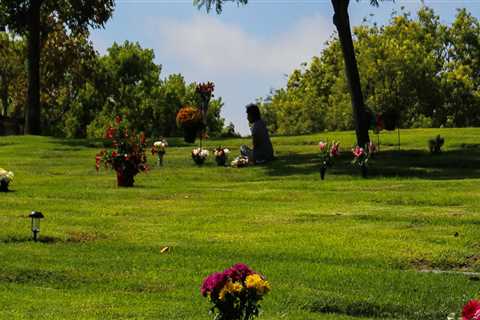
[36,217]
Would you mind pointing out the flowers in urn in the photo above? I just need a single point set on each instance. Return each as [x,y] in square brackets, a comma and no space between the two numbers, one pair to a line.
[361,156]
[239,162]
[190,119]
[328,152]
[159,148]
[127,154]
[471,311]
[221,155]
[5,178]
[435,145]
[235,293]
[205,93]
[199,155]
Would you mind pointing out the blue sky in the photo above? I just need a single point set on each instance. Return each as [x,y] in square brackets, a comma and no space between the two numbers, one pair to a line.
[247,50]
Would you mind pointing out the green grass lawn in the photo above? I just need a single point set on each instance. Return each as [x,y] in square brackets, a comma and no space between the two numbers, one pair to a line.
[342,248]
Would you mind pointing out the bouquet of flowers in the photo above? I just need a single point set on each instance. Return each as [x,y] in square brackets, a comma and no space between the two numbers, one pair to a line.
[235,292]
[199,155]
[435,145]
[159,149]
[190,119]
[362,156]
[240,162]
[328,152]
[471,311]
[5,178]
[127,156]
[205,92]
[221,155]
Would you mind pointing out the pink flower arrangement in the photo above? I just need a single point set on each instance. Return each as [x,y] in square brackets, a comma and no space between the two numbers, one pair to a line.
[235,292]
[328,151]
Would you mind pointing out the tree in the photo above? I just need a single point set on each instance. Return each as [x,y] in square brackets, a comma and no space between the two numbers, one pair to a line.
[11,71]
[30,18]
[342,22]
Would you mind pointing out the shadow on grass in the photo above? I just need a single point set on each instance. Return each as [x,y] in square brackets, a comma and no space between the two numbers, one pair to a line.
[454,164]
[371,309]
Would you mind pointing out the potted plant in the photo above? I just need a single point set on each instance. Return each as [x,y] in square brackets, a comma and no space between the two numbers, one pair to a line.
[159,149]
[362,157]
[328,152]
[190,119]
[435,145]
[5,178]
[127,155]
[199,155]
[221,156]
[235,293]
[239,162]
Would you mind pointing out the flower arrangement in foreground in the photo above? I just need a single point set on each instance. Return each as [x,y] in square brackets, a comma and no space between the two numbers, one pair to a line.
[471,311]
[235,293]
[159,148]
[199,155]
[190,119]
[239,162]
[221,155]
[127,156]
[5,178]
[361,156]
[328,152]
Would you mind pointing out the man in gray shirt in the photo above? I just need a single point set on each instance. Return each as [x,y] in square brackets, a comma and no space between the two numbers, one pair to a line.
[262,146]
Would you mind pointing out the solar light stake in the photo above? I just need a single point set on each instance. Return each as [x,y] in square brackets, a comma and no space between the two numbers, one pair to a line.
[36,216]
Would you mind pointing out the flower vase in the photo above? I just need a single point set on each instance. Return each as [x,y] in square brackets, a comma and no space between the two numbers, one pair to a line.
[323,170]
[190,133]
[124,179]
[160,159]
[3,186]
[364,170]
[198,160]
[221,161]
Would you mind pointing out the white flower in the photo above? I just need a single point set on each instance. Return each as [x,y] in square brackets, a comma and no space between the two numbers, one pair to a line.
[160,144]
[197,152]
[6,175]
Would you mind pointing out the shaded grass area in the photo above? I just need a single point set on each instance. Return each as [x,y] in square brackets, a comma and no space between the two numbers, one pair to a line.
[343,248]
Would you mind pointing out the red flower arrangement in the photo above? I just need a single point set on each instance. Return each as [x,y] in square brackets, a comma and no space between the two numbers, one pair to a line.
[190,119]
[471,311]
[127,157]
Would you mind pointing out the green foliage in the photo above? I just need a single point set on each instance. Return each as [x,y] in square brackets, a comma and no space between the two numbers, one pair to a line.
[12,74]
[423,71]
[217,4]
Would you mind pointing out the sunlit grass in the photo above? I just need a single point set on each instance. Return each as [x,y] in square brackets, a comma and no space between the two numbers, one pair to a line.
[340,248]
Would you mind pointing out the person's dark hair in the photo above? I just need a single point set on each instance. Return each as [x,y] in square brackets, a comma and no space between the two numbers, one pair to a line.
[253,110]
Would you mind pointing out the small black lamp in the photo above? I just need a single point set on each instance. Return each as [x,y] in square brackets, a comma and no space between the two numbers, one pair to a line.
[36,216]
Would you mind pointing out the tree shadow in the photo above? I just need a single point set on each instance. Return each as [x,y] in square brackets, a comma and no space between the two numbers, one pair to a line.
[453,164]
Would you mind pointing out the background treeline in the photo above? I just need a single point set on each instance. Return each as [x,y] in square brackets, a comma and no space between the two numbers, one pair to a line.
[82,91]
[423,71]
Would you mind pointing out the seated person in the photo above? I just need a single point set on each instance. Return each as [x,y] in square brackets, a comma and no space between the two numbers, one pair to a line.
[262,147]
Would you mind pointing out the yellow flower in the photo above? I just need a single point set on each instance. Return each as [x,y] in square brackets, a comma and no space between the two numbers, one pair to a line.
[256,282]
[230,287]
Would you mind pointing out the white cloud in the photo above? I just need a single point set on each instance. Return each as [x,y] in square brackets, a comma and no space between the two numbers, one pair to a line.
[207,43]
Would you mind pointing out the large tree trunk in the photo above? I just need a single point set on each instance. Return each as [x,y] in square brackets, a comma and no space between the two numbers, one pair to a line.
[342,22]
[32,110]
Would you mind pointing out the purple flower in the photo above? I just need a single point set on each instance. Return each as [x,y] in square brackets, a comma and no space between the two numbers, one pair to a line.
[213,283]
[238,272]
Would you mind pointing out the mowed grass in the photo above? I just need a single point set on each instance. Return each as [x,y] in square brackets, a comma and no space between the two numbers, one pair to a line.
[342,248]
